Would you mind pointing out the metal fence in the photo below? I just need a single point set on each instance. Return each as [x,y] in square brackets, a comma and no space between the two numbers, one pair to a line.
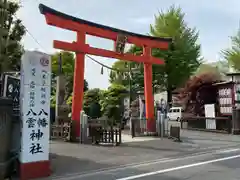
[61,131]
[97,131]
[164,127]
[138,126]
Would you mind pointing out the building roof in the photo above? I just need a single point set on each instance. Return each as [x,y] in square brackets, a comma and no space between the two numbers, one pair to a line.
[233,74]
[222,83]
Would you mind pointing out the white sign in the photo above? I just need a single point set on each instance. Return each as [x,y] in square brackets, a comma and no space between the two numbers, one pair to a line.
[210,112]
[35,106]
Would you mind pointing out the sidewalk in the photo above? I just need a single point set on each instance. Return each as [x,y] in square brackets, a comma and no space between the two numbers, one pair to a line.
[128,138]
[208,139]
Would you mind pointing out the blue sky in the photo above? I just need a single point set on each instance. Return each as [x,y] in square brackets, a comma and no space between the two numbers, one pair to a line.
[216,20]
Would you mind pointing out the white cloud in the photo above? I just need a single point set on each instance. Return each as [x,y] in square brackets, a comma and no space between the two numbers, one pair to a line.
[142,20]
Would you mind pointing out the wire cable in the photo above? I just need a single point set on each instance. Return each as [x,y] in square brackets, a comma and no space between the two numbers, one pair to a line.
[93,59]
[90,57]
[113,69]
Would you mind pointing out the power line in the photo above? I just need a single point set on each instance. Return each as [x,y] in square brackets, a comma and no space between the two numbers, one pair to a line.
[93,59]
[36,41]
[34,38]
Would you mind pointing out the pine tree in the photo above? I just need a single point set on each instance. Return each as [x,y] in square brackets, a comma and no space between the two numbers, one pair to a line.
[11,33]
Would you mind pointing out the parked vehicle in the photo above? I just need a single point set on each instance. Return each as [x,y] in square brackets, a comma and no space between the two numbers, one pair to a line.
[175,113]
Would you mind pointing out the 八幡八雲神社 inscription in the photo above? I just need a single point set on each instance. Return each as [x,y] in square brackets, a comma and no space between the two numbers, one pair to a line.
[36,120]
[35,89]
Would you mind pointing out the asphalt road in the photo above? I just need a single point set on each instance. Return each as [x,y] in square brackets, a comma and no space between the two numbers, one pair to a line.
[146,158]
[215,165]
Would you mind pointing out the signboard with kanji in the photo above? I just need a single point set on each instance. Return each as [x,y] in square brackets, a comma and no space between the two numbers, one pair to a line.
[35,106]
[11,89]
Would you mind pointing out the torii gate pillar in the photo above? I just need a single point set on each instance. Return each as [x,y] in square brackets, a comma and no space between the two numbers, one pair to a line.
[148,92]
[78,85]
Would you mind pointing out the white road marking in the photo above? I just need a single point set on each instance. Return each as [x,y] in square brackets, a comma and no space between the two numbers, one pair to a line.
[228,151]
[178,168]
[106,170]
[127,166]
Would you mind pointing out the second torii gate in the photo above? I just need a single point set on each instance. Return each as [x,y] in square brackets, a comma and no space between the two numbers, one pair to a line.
[83,28]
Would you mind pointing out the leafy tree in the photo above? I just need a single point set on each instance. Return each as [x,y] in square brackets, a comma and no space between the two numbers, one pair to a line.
[68,60]
[85,88]
[121,76]
[112,103]
[181,60]
[232,55]
[53,97]
[91,104]
[11,33]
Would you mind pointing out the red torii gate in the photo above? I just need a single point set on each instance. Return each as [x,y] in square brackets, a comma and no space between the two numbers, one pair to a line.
[82,28]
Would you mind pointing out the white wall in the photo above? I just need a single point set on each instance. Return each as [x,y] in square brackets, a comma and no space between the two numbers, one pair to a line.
[159,96]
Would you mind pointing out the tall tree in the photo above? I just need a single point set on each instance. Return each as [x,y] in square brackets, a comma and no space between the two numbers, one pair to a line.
[232,55]
[91,103]
[181,60]
[11,33]
[183,57]
[112,103]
